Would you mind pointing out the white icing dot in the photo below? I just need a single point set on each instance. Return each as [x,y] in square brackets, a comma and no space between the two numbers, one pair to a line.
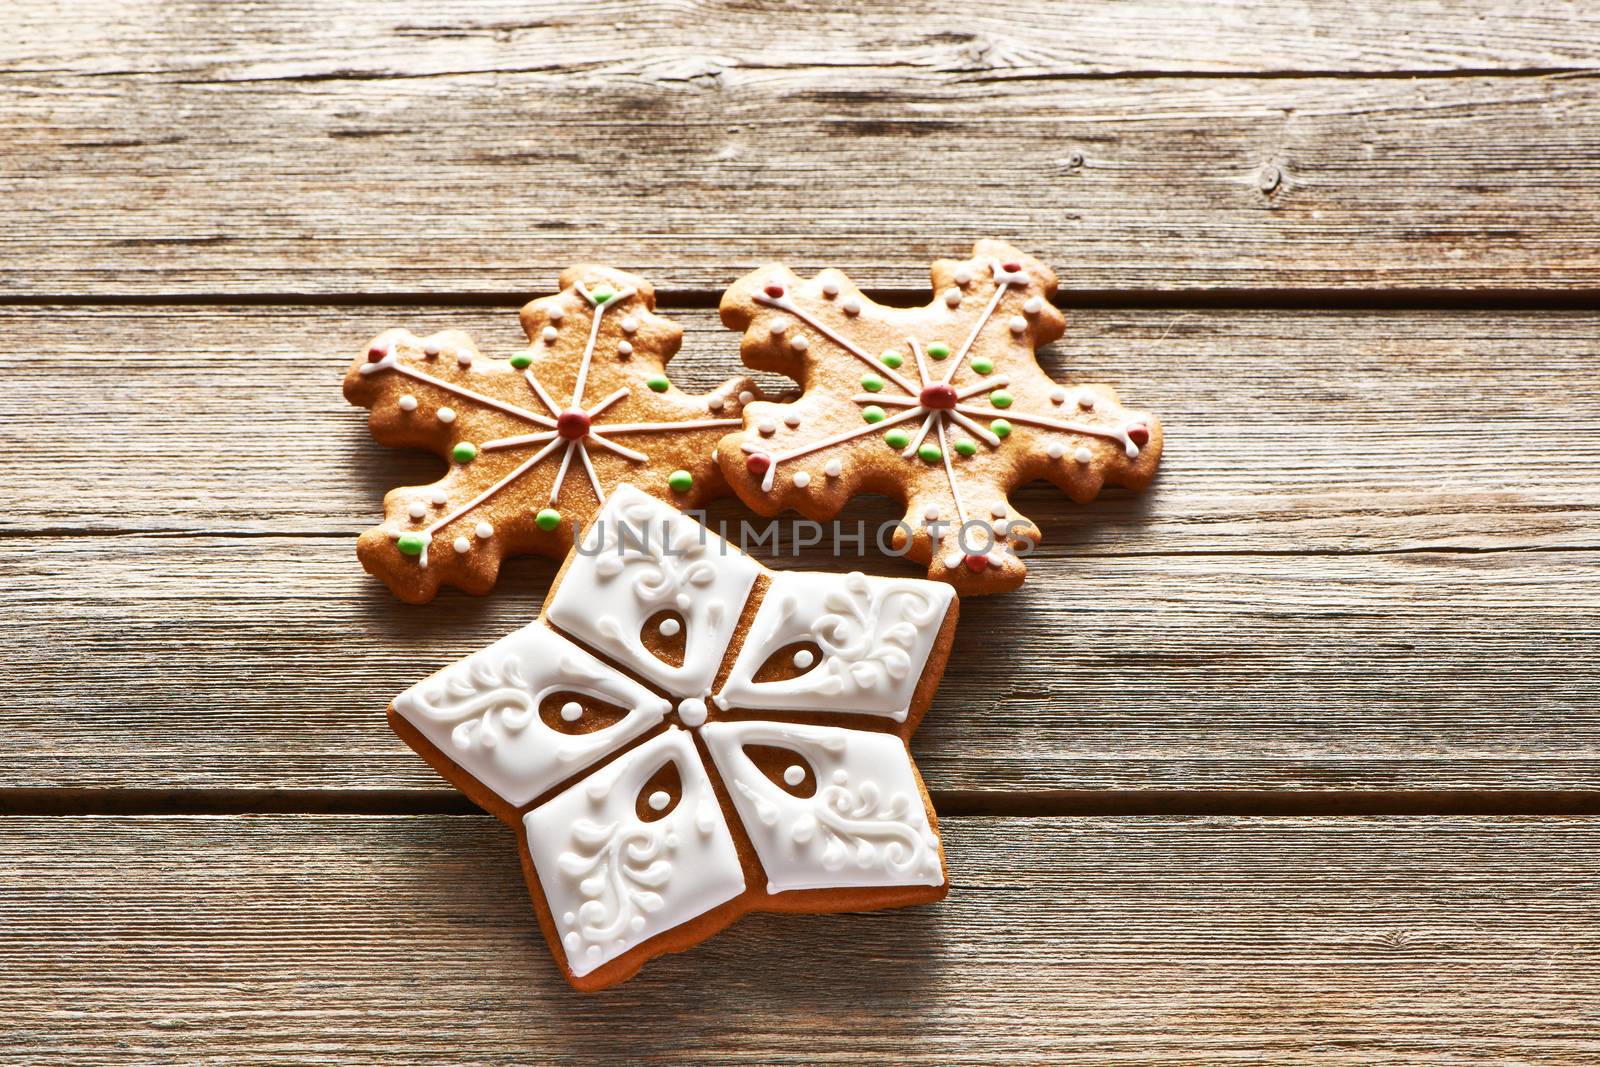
[799,343]
[438,498]
[953,560]
[1033,305]
[768,427]
[630,324]
[692,711]
[997,559]
[636,923]
[851,306]
[792,420]
[624,348]
[462,545]
[833,468]
[464,358]
[447,415]
[594,952]
[794,774]
[1058,395]
[556,313]
[952,298]
[716,403]
[484,531]
[430,351]
[1086,400]
[408,403]
[930,513]
[963,276]
[659,800]
[669,627]
[801,479]
[572,941]
[1018,324]
[1055,450]
[550,333]
[998,511]
[1083,455]
[804,659]
[571,711]
[418,509]
[746,396]
[778,325]
[569,919]
[830,288]
[840,777]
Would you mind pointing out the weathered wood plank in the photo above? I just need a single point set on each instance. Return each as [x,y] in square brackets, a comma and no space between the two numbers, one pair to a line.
[1288,431]
[1074,941]
[354,38]
[381,152]
[265,663]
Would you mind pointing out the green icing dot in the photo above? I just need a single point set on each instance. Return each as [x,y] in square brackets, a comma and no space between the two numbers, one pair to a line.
[680,481]
[929,453]
[411,544]
[658,384]
[1000,427]
[965,448]
[547,519]
[521,361]
[892,359]
[1000,398]
[871,384]
[872,413]
[897,438]
[982,365]
[465,452]
[938,350]
[602,294]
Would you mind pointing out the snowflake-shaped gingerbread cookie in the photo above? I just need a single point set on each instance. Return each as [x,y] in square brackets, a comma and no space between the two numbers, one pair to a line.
[943,407]
[684,737]
[536,441]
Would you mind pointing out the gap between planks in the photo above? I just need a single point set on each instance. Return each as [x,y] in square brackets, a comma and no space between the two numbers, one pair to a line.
[1049,803]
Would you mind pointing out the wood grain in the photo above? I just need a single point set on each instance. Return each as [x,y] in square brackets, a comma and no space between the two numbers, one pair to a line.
[345,940]
[1288,431]
[362,148]
[266,663]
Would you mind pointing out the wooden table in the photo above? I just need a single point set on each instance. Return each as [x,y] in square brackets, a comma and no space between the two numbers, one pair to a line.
[1292,759]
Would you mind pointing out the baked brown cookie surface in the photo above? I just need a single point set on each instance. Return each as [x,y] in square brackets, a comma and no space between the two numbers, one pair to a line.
[942,407]
[535,441]
[684,737]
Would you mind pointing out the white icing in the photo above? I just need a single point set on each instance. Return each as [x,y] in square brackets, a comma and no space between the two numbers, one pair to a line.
[833,468]
[630,325]
[1086,400]
[640,557]
[550,334]
[792,420]
[1018,324]
[952,298]
[830,289]
[1083,455]
[1058,395]
[408,403]
[799,343]
[801,479]
[963,276]
[875,635]
[555,313]
[464,358]
[483,712]
[462,545]
[952,561]
[438,497]
[804,658]
[746,396]
[998,510]
[484,531]
[417,509]
[930,513]
[1033,305]
[866,824]
[659,800]
[692,711]
[619,880]
[624,348]
[571,711]
[1055,450]
[431,351]
[669,627]
[851,306]
[777,325]
[768,427]
[446,415]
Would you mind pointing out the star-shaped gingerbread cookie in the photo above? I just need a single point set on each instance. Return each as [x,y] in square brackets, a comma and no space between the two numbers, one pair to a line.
[943,407]
[536,441]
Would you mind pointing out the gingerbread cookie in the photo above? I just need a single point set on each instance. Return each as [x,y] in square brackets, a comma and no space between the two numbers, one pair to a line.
[536,441]
[942,407]
[684,737]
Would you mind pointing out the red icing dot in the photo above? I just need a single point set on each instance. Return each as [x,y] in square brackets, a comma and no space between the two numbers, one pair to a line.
[1011,267]
[774,291]
[572,425]
[376,353]
[939,395]
[1139,434]
[977,562]
[757,464]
